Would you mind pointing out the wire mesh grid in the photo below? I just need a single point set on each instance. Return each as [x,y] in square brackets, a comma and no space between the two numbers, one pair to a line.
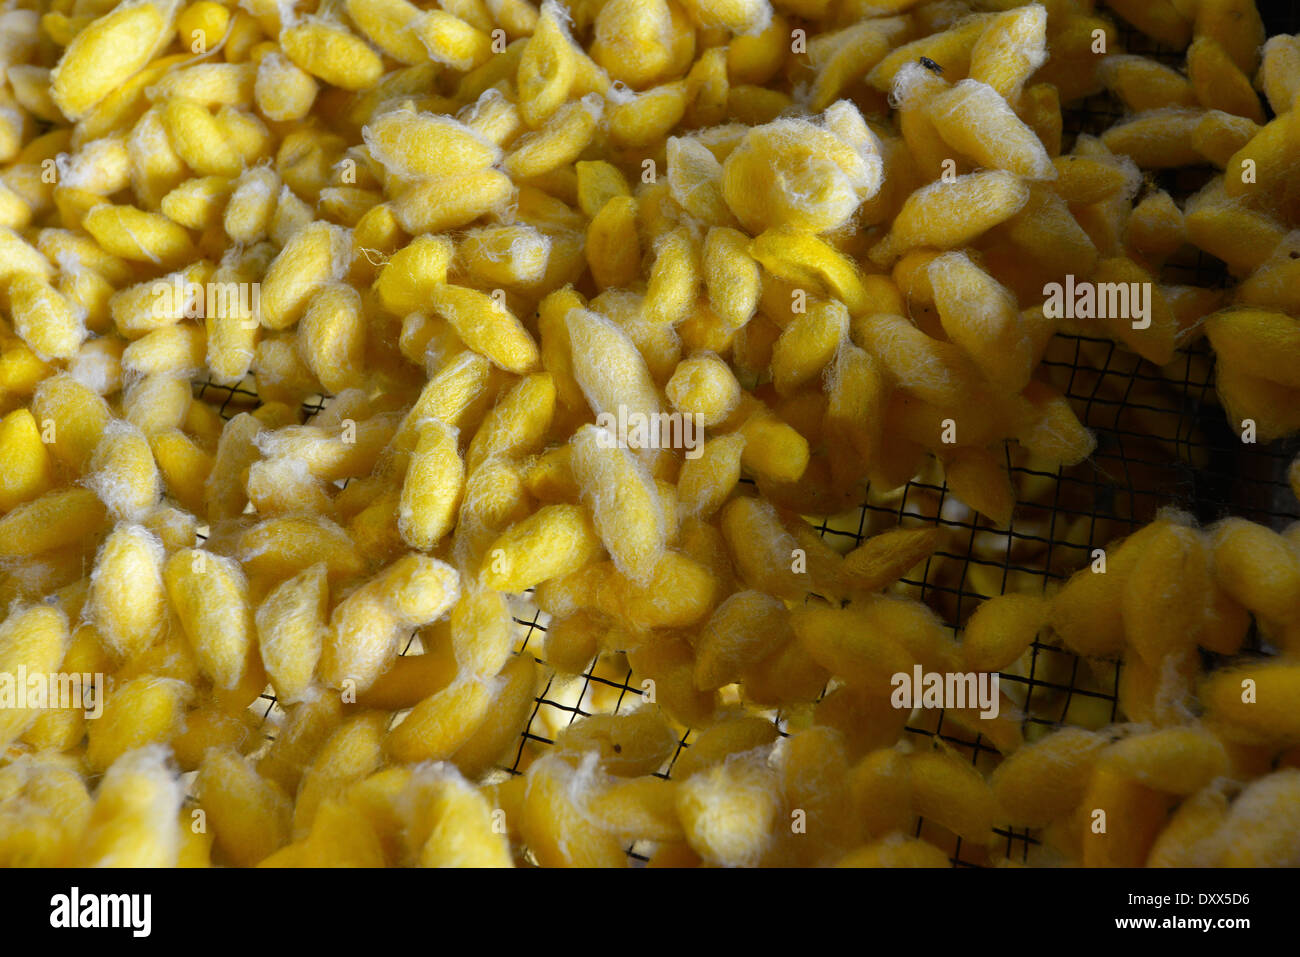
[1162,441]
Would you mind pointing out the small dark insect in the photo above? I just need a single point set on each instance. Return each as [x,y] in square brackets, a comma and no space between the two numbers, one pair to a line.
[618,749]
[1295,255]
[931,65]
